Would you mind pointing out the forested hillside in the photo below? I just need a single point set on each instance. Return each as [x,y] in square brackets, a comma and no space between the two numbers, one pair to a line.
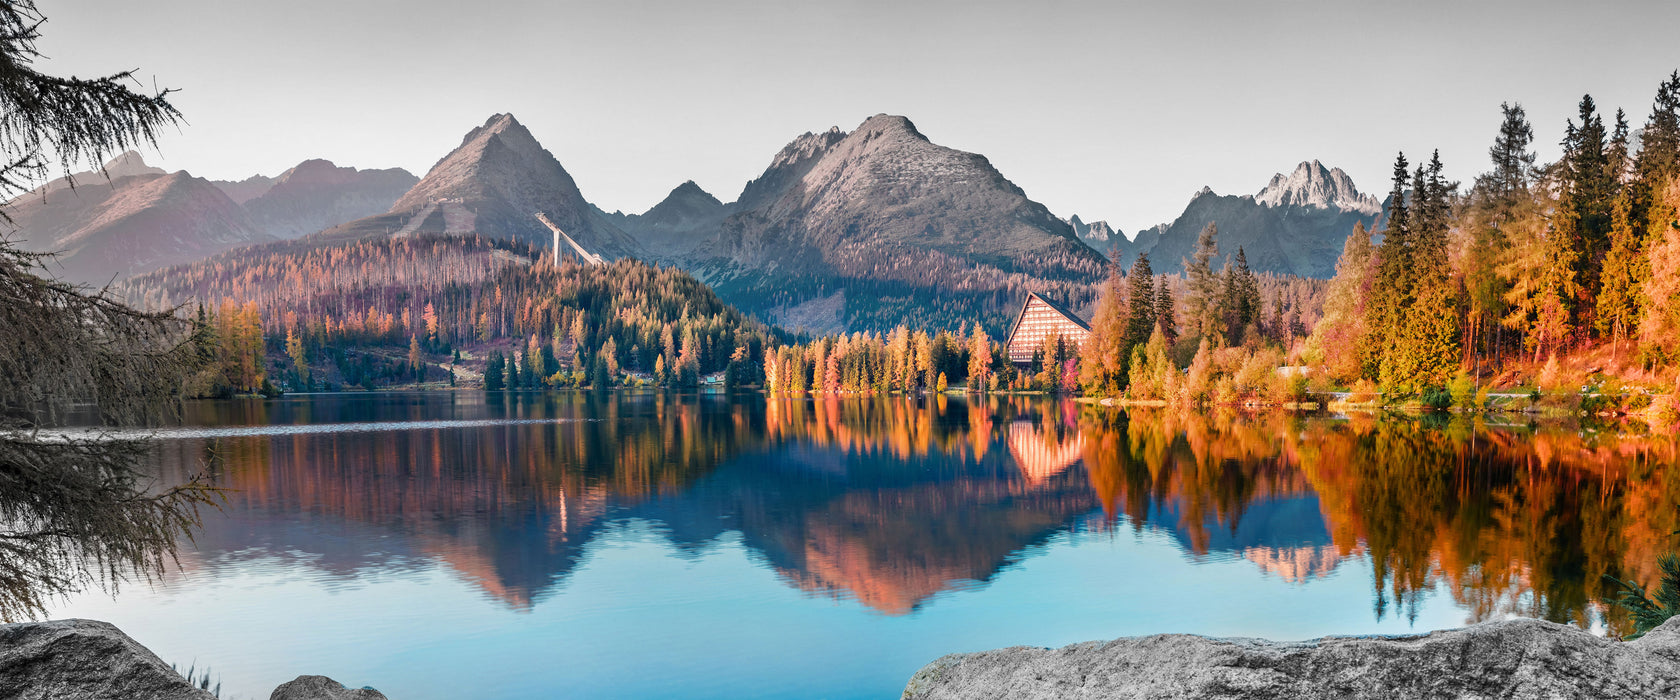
[397,310]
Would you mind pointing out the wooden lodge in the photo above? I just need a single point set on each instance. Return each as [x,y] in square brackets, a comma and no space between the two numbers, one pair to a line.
[1039,318]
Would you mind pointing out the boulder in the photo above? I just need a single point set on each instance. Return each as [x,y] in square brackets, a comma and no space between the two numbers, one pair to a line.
[1514,659]
[321,688]
[84,660]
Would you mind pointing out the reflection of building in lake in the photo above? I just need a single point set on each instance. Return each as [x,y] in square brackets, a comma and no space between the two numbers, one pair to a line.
[1041,454]
[1040,318]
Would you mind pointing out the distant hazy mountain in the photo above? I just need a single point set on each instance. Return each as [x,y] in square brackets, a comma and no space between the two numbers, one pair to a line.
[1296,224]
[104,227]
[132,224]
[673,227]
[244,190]
[316,195]
[494,184]
[125,165]
[880,226]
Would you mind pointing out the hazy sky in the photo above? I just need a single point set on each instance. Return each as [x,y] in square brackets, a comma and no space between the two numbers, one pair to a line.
[1116,111]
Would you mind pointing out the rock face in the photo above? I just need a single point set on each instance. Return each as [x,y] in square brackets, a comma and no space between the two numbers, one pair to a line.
[321,688]
[1311,185]
[84,660]
[1509,659]
[316,195]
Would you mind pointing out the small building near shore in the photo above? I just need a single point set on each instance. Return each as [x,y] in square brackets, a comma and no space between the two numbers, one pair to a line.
[1038,319]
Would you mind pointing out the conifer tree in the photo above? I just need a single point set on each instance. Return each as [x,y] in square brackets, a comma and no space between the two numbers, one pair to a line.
[1512,161]
[1391,290]
[1166,316]
[1201,300]
[1240,299]
[1584,177]
[1141,292]
[1626,267]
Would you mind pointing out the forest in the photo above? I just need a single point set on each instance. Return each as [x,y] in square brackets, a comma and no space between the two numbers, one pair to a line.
[1560,277]
[441,310]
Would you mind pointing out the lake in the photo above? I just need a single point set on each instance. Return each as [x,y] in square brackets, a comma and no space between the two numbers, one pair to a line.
[535,545]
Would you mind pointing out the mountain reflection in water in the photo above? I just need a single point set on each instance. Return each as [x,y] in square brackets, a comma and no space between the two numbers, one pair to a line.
[891,501]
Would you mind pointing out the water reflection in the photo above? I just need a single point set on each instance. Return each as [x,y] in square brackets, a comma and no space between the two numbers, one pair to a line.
[889,502]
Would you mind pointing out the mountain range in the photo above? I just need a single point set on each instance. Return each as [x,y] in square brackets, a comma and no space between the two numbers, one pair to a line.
[129,217]
[843,230]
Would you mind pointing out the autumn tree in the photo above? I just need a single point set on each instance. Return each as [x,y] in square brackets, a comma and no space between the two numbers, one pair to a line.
[979,359]
[1336,340]
[1102,369]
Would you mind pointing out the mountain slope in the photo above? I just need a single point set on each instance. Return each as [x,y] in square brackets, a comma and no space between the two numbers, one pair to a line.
[1296,224]
[494,184]
[880,226]
[315,195]
[130,225]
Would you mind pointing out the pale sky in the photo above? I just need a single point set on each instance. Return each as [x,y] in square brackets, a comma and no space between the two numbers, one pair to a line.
[1109,110]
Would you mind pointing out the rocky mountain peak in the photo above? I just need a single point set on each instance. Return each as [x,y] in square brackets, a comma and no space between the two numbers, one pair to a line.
[690,189]
[888,125]
[130,163]
[1313,185]
[788,166]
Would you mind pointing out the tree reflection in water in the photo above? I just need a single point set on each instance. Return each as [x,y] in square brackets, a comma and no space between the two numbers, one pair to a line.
[890,501]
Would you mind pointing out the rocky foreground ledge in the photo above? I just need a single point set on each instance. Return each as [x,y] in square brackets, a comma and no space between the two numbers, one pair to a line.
[92,660]
[1509,659]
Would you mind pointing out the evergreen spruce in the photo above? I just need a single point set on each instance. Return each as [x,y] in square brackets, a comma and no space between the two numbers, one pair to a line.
[1391,291]
[1201,302]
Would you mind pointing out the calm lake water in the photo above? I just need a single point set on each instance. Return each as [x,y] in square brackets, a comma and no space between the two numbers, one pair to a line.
[449,545]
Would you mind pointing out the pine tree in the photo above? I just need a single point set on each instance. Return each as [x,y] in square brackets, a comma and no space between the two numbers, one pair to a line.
[1201,302]
[1240,305]
[1166,317]
[1427,351]
[494,371]
[1512,161]
[1626,267]
[1141,291]
[1584,175]
[1391,291]
[1659,154]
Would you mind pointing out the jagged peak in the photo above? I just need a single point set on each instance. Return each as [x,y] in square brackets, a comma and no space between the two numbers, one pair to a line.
[1313,185]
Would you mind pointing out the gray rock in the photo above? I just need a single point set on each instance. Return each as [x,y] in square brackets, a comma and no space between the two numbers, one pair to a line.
[321,688]
[1513,659]
[84,660]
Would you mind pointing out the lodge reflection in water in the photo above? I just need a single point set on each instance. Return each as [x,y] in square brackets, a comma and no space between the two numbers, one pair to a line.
[891,501]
